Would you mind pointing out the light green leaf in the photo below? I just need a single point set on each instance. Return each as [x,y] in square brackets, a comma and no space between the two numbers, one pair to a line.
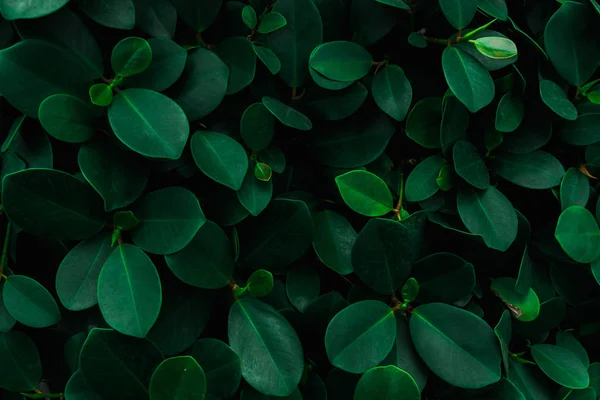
[495,47]
[341,61]
[365,193]
[131,56]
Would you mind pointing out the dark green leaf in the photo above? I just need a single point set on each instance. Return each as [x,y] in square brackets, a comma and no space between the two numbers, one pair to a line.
[255,194]
[423,123]
[249,17]
[28,9]
[561,365]
[556,99]
[118,14]
[578,234]
[580,132]
[537,170]
[574,189]
[100,95]
[68,118]
[341,61]
[178,378]
[568,341]
[221,366]
[496,8]
[510,111]
[257,126]
[271,22]
[333,241]
[454,124]
[386,383]
[286,114]
[503,331]
[239,56]
[469,165]
[198,14]
[336,105]
[443,277]
[260,283]
[459,12]
[20,366]
[267,57]
[157,18]
[421,183]
[302,286]
[29,303]
[131,56]
[392,91]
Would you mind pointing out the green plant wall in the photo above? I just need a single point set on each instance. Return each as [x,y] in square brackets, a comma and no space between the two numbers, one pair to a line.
[300,199]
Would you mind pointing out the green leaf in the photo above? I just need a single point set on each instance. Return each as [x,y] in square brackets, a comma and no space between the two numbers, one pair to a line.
[567,340]
[271,22]
[257,126]
[207,261]
[525,277]
[20,366]
[443,277]
[221,366]
[66,29]
[456,345]
[202,85]
[360,336]
[101,95]
[257,333]
[574,189]
[524,307]
[119,176]
[293,43]
[467,78]
[131,56]
[341,61]
[490,64]
[129,291]
[578,234]
[29,302]
[239,56]
[382,255]
[459,12]
[260,283]
[78,387]
[510,112]
[365,193]
[417,40]
[423,123]
[529,380]
[410,290]
[77,275]
[128,363]
[220,157]
[178,378]
[581,132]
[421,183]
[286,114]
[31,81]
[574,57]
[469,165]
[52,204]
[28,9]
[561,365]
[263,172]
[392,91]
[327,83]
[149,123]
[536,170]
[255,194]
[386,383]
[454,124]
[7,322]
[274,157]
[495,47]
[249,17]
[118,14]
[333,240]
[490,214]
[13,132]
[198,14]
[503,331]
[157,18]
[268,58]
[288,229]
[496,8]
[556,99]
[302,286]
[532,134]
[395,3]
[169,219]
[68,118]
[168,62]
[336,105]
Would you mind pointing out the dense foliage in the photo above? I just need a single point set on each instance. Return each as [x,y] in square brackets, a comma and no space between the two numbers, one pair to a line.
[318,199]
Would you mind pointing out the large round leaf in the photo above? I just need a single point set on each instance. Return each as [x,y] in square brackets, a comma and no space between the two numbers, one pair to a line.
[287,115]
[365,193]
[220,157]
[31,81]
[77,275]
[178,378]
[387,383]
[566,41]
[221,366]
[524,307]
[294,42]
[118,176]
[382,255]
[333,241]
[198,14]
[459,12]
[207,261]
[341,61]
[456,345]
[169,219]
[360,336]
[52,204]
[578,234]
[202,85]
[149,123]
[28,9]
[537,170]
[20,366]
[469,165]
[68,118]
[238,54]
[561,365]
[421,183]
[467,78]
[258,333]
[277,237]
[490,214]
[29,302]
[128,363]
[129,291]
[392,92]
[131,56]
[443,277]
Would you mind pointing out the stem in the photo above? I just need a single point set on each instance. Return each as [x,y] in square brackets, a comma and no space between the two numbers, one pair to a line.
[294,93]
[43,396]
[443,42]
[400,197]
[5,250]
